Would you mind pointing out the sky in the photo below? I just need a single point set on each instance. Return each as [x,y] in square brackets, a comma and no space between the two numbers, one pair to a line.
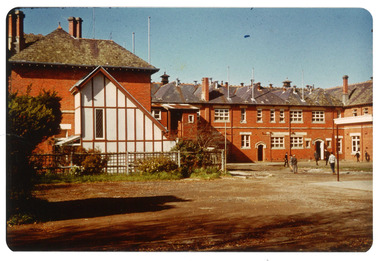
[304,45]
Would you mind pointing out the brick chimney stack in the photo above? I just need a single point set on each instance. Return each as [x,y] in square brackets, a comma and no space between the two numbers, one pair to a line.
[345,90]
[164,79]
[205,89]
[75,26]
[16,39]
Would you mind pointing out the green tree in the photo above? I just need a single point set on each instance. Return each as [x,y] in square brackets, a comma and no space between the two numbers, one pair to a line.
[30,121]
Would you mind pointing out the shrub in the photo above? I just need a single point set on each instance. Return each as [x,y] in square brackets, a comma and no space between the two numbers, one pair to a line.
[154,165]
[94,163]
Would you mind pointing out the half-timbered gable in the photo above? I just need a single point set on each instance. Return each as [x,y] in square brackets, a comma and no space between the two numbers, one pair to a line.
[109,118]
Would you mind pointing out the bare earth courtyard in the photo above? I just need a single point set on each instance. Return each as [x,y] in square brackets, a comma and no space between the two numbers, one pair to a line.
[259,208]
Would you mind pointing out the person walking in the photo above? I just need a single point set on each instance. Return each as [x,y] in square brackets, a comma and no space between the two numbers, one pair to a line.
[332,160]
[327,155]
[293,162]
[286,162]
[316,157]
[357,155]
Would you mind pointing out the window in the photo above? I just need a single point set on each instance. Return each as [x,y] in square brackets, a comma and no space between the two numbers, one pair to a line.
[307,143]
[355,112]
[156,114]
[245,141]
[355,144]
[340,145]
[99,124]
[282,116]
[272,115]
[339,114]
[365,111]
[277,142]
[328,143]
[318,116]
[243,118]
[221,115]
[296,116]
[191,119]
[259,115]
[296,142]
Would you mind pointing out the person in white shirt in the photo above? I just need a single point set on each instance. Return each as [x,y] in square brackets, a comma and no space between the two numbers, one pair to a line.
[332,160]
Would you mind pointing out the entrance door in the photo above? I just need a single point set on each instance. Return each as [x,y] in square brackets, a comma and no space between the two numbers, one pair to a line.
[260,153]
[319,148]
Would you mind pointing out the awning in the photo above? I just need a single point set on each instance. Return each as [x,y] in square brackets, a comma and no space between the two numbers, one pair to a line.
[67,141]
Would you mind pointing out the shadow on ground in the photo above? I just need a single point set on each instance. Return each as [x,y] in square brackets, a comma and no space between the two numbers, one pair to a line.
[99,207]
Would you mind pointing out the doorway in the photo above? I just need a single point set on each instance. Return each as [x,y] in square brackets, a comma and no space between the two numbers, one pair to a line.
[319,148]
[260,152]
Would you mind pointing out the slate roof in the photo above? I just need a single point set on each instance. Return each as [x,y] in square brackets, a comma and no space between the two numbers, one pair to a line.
[60,48]
[190,93]
[358,93]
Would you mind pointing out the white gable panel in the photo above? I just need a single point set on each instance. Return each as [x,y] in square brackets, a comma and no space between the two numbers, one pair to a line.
[148,129]
[130,124]
[100,146]
[87,145]
[111,147]
[121,147]
[130,104]
[168,145]
[87,124]
[157,133]
[139,125]
[139,146]
[77,97]
[158,146]
[111,124]
[77,121]
[120,98]
[130,146]
[98,82]
[110,94]
[121,124]
[86,94]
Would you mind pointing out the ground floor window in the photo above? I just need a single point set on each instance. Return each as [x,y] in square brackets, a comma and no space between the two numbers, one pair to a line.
[355,144]
[277,142]
[99,124]
[245,141]
[296,142]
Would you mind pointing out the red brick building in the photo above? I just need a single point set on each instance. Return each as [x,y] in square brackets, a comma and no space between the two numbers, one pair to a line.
[263,123]
[118,85]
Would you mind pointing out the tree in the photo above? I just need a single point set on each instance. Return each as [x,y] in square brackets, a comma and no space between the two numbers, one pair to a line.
[30,121]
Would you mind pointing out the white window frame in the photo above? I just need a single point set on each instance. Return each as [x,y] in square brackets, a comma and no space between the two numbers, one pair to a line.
[190,118]
[259,115]
[340,144]
[329,143]
[282,116]
[221,115]
[277,142]
[365,110]
[318,117]
[245,141]
[296,116]
[272,115]
[354,112]
[156,114]
[307,143]
[96,124]
[296,142]
[355,144]
[243,117]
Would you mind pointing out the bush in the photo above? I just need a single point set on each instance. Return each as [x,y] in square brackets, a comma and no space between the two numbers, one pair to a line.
[94,163]
[154,165]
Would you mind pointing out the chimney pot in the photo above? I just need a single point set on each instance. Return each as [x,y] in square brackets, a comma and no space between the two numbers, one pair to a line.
[16,39]
[78,27]
[72,26]
[345,90]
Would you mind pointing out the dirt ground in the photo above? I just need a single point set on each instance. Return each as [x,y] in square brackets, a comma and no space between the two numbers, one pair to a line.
[259,208]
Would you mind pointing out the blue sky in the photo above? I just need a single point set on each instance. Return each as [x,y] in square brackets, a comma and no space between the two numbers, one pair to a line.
[191,43]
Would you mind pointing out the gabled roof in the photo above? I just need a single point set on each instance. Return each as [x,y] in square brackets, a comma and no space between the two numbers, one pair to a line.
[358,93]
[190,93]
[81,83]
[60,48]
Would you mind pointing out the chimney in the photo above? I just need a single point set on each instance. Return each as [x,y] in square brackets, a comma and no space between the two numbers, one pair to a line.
[16,39]
[79,27]
[164,79]
[259,86]
[72,26]
[205,89]
[226,84]
[270,86]
[345,90]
